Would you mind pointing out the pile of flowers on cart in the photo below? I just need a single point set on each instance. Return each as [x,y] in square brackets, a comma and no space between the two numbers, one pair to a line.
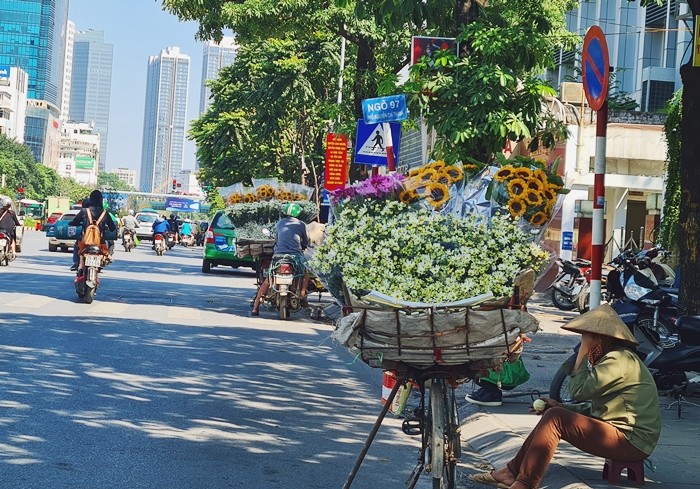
[443,237]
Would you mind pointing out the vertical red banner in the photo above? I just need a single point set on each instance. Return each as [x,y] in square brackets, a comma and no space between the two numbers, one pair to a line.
[336,161]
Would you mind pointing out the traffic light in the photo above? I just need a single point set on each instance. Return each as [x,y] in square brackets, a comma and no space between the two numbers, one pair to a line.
[174,184]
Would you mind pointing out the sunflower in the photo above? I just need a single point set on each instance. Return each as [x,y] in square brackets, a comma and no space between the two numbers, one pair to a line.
[548,194]
[503,174]
[523,172]
[428,175]
[532,197]
[235,198]
[469,167]
[249,198]
[438,165]
[444,179]
[541,175]
[299,196]
[538,218]
[414,173]
[437,194]
[454,173]
[535,184]
[408,196]
[517,207]
[516,186]
[265,192]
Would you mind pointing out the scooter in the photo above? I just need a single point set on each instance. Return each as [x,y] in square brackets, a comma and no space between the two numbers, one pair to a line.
[569,282]
[187,240]
[159,244]
[285,284]
[128,240]
[87,280]
[170,240]
[5,249]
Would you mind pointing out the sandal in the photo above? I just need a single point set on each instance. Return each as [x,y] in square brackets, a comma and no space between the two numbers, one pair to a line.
[487,478]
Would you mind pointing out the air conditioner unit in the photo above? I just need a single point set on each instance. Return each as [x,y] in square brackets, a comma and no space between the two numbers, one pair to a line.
[572,93]
[681,10]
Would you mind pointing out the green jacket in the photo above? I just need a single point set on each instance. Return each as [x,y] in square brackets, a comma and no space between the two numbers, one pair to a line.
[621,392]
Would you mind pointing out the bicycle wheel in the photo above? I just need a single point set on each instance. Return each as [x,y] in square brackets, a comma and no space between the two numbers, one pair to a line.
[444,433]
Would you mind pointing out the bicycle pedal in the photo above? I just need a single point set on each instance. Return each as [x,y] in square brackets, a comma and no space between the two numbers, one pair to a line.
[412,426]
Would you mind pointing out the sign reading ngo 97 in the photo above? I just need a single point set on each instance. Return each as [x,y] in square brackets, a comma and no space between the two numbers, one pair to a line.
[384,109]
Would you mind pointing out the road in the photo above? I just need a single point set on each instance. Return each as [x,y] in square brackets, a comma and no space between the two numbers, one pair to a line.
[164,382]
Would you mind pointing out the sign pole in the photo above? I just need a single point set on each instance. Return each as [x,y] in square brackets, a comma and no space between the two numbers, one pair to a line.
[389,144]
[598,238]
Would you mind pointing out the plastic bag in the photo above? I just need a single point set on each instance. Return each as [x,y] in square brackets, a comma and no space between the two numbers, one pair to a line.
[512,375]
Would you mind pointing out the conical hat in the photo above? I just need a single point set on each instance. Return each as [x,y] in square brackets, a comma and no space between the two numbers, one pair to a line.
[602,320]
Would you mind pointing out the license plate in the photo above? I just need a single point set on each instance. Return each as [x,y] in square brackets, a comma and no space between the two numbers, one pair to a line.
[93,261]
[284,279]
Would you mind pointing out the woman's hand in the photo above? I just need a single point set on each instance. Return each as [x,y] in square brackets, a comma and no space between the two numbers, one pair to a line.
[548,403]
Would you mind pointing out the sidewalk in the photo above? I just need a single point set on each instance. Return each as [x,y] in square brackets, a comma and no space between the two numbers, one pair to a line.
[492,436]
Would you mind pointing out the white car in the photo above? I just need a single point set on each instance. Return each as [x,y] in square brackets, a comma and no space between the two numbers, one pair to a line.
[145,229]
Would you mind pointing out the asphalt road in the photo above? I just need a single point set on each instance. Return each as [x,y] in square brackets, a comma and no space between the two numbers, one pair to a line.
[164,382]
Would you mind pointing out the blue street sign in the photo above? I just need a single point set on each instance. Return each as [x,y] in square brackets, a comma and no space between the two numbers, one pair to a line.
[567,240]
[369,143]
[595,67]
[384,109]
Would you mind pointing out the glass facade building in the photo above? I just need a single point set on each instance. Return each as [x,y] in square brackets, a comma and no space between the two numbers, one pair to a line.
[165,119]
[216,56]
[32,36]
[91,84]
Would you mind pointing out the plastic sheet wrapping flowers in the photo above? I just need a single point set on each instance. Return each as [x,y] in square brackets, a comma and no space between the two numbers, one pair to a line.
[443,233]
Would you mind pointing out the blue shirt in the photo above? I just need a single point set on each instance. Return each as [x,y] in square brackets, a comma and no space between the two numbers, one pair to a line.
[160,225]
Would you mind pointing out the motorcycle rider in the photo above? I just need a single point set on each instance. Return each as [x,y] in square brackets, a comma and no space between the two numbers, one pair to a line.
[174,227]
[129,223]
[292,239]
[159,226]
[9,223]
[95,206]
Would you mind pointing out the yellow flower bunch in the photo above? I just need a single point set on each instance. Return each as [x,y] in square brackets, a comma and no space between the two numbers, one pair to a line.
[527,189]
[284,194]
[265,192]
[431,182]
[249,198]
[235,198]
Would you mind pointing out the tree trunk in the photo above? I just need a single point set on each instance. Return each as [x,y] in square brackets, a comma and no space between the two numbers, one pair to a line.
[689,222]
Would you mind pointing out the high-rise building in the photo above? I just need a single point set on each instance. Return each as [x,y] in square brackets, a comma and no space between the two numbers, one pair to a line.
[91,84]
[67,70]
[13,102]
[80,152]
[32,37]
[165,119]
[126,175]
[216,56]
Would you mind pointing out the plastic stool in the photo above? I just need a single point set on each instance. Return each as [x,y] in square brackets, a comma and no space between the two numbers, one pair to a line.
[612,471]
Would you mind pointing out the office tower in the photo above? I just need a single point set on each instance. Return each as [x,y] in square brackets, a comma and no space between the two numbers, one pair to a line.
[91,84]
[216,56]
[165,119]
[32,37]
[67,70]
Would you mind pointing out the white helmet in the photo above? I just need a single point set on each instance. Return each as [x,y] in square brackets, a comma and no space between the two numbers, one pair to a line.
[131,212]
[6,202]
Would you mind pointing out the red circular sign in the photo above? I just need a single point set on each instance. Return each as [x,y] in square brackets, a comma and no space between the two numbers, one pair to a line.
[595,67]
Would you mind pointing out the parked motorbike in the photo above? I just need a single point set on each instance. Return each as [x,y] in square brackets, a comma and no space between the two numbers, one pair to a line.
[159,244]
[569,282]
[187,240]
[87,279]
[128,240]
[5,249]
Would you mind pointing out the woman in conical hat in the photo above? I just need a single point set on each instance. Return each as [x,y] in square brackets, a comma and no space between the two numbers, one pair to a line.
[620,420]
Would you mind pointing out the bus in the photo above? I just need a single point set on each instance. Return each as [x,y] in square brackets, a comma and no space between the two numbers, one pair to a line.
[30,208]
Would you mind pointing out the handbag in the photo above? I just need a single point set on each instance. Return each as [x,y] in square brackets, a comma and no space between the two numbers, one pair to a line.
[511,375]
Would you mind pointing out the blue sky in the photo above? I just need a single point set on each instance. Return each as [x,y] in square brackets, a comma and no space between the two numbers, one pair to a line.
[137,29]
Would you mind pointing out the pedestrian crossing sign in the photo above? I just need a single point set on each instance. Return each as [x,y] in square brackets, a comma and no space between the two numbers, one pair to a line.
[370,146]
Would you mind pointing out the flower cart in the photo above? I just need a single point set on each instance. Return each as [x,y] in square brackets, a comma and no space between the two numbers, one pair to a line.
[429,269]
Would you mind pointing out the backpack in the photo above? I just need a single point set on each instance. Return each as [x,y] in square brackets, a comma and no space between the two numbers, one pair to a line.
[91,234]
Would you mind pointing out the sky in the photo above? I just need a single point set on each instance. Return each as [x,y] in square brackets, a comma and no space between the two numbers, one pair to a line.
[138,29]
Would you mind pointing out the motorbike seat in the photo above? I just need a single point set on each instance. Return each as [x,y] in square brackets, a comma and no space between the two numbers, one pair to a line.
[689,330]
[672,358]
[92,250]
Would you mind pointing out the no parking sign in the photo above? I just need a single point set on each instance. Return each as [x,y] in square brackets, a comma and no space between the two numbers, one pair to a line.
[595,67]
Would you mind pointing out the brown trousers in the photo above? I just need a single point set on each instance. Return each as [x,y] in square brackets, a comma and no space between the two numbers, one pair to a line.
[585,433]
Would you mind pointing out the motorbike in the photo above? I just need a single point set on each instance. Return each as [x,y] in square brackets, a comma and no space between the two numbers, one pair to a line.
[5,249]
[569,282]
[87,279]
[159,244]
[187,240]
[170,240]
[128,240]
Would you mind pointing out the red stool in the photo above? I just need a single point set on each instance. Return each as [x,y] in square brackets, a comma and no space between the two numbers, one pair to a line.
[612,471]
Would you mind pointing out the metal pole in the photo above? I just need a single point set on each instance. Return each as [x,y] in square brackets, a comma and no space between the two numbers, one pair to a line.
[360,458]
[598,238]
[388,141]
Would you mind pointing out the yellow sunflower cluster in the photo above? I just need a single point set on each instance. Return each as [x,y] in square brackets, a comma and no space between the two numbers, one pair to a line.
[530,193]
[431,182]
[265,192]
[288,195]
[234,198]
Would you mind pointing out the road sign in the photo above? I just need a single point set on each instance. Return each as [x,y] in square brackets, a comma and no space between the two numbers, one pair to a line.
[384,109]
[595,67]
[370,147]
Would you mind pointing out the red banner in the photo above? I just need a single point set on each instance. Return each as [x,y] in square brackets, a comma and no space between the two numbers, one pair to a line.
[336,161]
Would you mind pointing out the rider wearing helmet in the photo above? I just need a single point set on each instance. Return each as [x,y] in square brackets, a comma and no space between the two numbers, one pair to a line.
[292,239]
[129,223]
[9,222]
